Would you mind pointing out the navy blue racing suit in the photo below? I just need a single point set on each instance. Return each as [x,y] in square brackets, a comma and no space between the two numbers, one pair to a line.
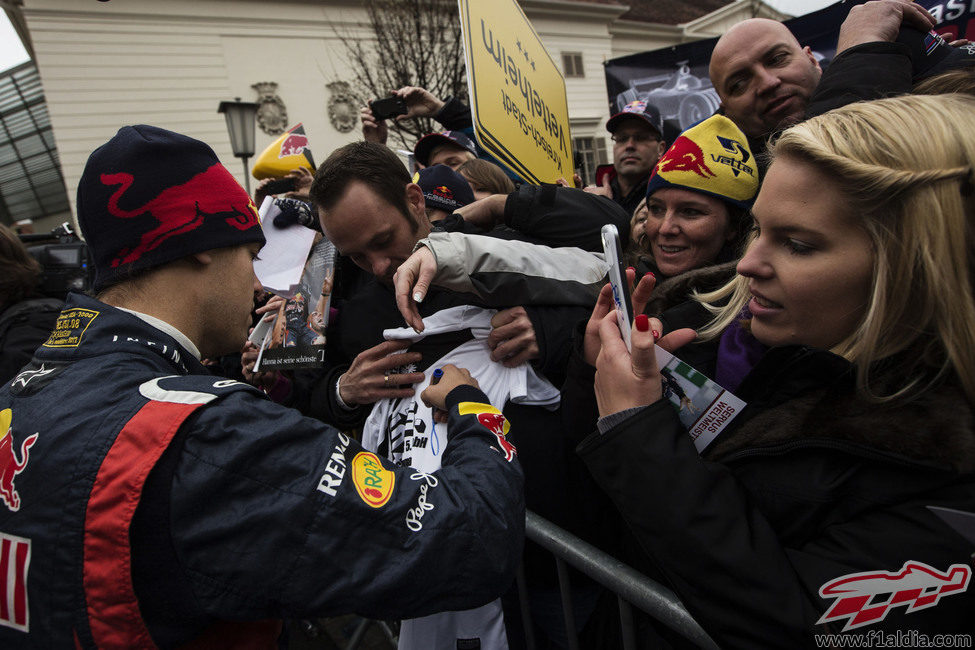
[146,502]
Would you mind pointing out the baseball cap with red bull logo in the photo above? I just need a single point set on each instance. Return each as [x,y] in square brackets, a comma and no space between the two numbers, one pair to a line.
[443,188]
[712,157]
[638,109]
[151,196]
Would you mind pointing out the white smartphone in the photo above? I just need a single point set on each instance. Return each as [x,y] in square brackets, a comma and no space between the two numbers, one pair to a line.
[262,328]
[265,332]
[617,278]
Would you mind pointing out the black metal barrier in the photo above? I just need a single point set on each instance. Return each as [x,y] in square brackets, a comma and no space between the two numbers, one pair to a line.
[630,587]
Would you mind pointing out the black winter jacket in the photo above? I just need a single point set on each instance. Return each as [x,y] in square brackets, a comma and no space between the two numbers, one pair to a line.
[548,214]
[23,327]
[810,484]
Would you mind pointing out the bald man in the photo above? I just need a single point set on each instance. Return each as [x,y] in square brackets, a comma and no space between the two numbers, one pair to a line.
[765,78]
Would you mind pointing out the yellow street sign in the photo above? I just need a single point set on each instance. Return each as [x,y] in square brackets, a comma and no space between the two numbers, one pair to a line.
[517,92]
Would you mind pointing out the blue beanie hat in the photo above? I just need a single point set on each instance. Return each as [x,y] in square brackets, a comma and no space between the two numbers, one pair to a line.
[151,196]
[443,188]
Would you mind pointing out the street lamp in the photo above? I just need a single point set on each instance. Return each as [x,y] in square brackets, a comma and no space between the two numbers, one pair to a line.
[240,125]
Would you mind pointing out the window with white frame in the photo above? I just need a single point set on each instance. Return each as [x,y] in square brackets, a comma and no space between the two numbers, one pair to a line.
[589,153]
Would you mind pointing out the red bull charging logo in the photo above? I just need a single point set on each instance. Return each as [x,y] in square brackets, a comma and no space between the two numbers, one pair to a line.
[916,586]
[491,419]
[293,145]
[9,465]
[182,208]
[685,156]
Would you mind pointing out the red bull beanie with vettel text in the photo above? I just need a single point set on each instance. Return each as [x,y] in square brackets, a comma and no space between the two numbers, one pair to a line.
[151,196]
[712,157]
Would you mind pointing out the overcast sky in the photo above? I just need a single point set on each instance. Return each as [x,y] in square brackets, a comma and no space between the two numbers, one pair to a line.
[12,52]
[799,7]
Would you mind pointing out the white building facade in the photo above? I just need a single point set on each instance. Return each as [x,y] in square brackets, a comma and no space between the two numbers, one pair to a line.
[108,64]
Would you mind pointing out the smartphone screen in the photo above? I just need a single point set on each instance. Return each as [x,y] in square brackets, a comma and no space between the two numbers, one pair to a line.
[617,278]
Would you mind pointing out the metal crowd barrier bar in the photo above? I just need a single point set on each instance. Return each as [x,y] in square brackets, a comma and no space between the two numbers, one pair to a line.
[630,586]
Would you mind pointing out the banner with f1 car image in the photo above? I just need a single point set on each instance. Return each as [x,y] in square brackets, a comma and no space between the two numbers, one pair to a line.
[675,79]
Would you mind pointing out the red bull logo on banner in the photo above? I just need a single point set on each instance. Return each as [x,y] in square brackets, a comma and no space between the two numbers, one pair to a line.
[916,586]
[372,481]
[10,467]
[685,156]
[491,419]
[174,209]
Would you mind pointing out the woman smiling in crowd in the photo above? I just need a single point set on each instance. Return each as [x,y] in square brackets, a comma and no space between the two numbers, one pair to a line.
[850,332]
[695,217]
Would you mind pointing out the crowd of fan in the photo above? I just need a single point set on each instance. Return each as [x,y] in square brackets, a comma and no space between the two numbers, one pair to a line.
[810,248]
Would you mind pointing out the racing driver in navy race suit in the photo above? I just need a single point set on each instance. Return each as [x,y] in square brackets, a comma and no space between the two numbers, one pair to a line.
[147,503]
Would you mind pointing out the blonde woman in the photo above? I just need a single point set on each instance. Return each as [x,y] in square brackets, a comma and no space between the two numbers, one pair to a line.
[850,332]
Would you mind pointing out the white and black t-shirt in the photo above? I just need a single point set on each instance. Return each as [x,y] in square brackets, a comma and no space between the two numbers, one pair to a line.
[404,431]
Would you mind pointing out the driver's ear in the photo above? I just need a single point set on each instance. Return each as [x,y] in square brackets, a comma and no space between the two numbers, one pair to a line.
[415,200]
[205,258]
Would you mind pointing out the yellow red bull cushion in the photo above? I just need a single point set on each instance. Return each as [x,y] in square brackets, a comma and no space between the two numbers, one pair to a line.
[288,152]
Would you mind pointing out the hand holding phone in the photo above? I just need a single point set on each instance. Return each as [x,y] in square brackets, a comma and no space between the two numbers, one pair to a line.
[279,186]
[384,109]
[617,278]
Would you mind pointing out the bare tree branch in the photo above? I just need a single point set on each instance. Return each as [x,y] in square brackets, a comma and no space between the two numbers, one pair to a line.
[413,43]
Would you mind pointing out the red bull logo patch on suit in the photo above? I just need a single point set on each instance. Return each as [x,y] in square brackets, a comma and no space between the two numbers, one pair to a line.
[372,481]
[862,598]
[492,420]
[10,467]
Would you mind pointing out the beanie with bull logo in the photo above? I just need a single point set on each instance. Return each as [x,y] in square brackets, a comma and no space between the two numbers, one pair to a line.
[711,157]
[150,196]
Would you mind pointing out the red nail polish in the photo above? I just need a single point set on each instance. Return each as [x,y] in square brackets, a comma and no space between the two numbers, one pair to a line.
[642,322]
[656,335]
[650,273]
[630,268]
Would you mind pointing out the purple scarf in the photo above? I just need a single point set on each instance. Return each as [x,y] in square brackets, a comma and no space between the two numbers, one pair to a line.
[738,352]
